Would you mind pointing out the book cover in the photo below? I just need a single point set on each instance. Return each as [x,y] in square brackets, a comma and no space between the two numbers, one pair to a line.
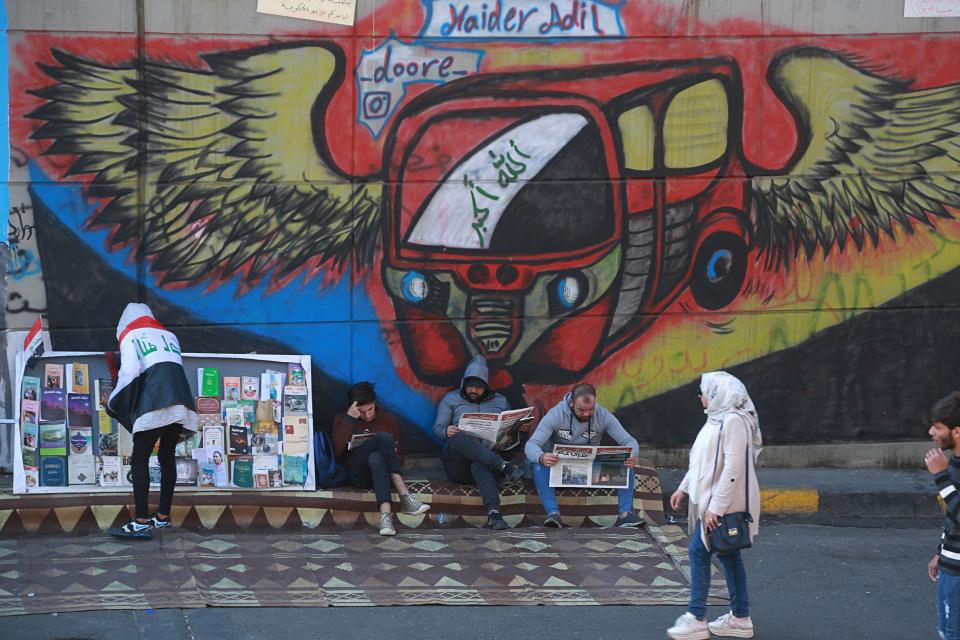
[266,426]
[275,478]
[187,445]
[208,381]
[241,471]
[30,430]
[109,471]
[261,479]
[81,470]
[187,469]
[53,406]
[53,439]
[231,388]
[294,469]
[219,462]
[207,406]
[295,401]
[81,441]
[271,385]
[80,378]
[296,435]
[239,440]
[30,388]
[107,444]
[53,376]
[31,476]
[249,388]
[29,416]
[124,443]
[30,458]
[207,475]
[154,468]
[264,410]
[212,435]
[264,444]
[248,409]
[53,471]
[78,410]
[106,424]
[102,388]
[296,375]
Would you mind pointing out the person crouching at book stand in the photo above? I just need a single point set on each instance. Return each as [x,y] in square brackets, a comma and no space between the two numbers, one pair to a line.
[152,400]
[366,441]
[466,459]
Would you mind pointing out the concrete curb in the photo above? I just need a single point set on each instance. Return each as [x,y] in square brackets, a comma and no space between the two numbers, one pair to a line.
[862,494]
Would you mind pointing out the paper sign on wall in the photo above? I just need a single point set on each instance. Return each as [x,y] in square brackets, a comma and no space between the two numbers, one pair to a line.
[931,8]
[335,11]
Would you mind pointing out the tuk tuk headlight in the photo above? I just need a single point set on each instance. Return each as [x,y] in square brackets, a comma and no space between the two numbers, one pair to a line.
[414,287]
[568,290]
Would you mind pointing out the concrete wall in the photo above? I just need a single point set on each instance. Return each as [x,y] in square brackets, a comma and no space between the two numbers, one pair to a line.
[630,195]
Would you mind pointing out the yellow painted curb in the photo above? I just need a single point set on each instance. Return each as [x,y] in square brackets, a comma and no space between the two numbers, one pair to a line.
[789,501]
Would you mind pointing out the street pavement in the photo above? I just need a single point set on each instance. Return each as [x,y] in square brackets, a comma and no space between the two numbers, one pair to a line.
[807,581]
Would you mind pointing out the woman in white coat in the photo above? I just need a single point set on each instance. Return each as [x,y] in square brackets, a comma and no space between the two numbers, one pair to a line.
[720,476]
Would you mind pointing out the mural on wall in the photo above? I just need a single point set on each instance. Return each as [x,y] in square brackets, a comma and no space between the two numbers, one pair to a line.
[617,215]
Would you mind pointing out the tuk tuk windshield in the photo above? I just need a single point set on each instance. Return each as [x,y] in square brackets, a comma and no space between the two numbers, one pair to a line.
[517,185]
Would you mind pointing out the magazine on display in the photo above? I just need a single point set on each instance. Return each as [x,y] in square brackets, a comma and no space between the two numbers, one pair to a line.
[358,439]
[590,467]
[254,426]
[497,430]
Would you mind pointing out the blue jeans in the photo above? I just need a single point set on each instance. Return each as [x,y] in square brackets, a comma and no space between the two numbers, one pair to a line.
[548,494]
[733,571]
[948,605]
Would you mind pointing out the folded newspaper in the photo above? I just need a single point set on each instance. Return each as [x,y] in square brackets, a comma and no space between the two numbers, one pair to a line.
[497,430]
[590,467]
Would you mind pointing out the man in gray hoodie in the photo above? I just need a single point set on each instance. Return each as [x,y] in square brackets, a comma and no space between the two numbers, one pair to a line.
[578,420]
[466,459]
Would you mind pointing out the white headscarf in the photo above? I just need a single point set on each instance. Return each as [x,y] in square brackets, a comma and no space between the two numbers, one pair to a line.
[726,394]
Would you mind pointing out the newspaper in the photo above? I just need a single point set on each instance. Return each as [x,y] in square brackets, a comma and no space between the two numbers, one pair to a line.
[495,429]
[589,467]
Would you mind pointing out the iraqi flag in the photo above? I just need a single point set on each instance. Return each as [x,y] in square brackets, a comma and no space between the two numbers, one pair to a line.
[36,343]
[152,389]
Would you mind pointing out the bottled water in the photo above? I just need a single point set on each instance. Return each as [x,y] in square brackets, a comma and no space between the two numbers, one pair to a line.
[441,520]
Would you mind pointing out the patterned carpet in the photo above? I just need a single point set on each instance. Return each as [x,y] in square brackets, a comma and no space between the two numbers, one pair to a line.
[183,569]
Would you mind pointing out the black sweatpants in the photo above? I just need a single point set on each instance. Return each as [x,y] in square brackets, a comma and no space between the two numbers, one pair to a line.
[143,443]
[371,465]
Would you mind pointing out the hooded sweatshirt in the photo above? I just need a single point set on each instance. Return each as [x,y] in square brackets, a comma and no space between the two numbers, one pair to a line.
[152,389]
[561,426]
[454,404]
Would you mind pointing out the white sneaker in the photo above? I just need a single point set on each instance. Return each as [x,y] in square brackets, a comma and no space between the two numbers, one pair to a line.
[730,626]
[687,627]
[386,525]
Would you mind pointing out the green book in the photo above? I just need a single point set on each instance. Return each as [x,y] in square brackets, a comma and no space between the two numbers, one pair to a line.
[294,469]
[241,471]
[209,381]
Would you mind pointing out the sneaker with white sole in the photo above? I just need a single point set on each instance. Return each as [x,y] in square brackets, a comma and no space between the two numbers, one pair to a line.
[157,523]
[132,529]
[687,627]
[730,626]
[386,525]
[411,506]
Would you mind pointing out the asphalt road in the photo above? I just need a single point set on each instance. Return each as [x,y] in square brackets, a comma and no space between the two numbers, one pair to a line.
[806,581]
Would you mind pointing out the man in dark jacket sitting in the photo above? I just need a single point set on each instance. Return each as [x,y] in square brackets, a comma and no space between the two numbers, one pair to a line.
[467,459]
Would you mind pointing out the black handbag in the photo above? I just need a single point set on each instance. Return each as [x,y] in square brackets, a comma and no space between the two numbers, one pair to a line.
[732,532]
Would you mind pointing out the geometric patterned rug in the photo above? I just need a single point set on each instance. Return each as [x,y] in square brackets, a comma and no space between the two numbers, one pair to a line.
[464,566]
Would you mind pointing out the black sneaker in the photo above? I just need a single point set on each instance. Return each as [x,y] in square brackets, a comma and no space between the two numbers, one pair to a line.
[511,472]
[132,529]
[496,521]
[630,521]
[553,521]
[157,523]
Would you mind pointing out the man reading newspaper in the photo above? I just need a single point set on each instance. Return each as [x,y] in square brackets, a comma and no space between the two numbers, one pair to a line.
[466,459]
[579,420]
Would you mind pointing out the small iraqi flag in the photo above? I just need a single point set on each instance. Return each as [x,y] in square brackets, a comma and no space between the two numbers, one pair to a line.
[36,342]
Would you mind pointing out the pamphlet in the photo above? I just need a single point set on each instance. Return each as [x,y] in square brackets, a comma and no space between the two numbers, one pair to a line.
[249,388]
[358,439]
[231,388]
[296,435]
[241,471]
[208,381]
[53,439]
[294,469]
[53,376]
[30,388]
[109,471]
[78,410]
[79,378]
[53,406]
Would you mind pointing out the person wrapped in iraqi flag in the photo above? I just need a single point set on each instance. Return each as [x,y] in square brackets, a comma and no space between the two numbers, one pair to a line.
[152,399]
